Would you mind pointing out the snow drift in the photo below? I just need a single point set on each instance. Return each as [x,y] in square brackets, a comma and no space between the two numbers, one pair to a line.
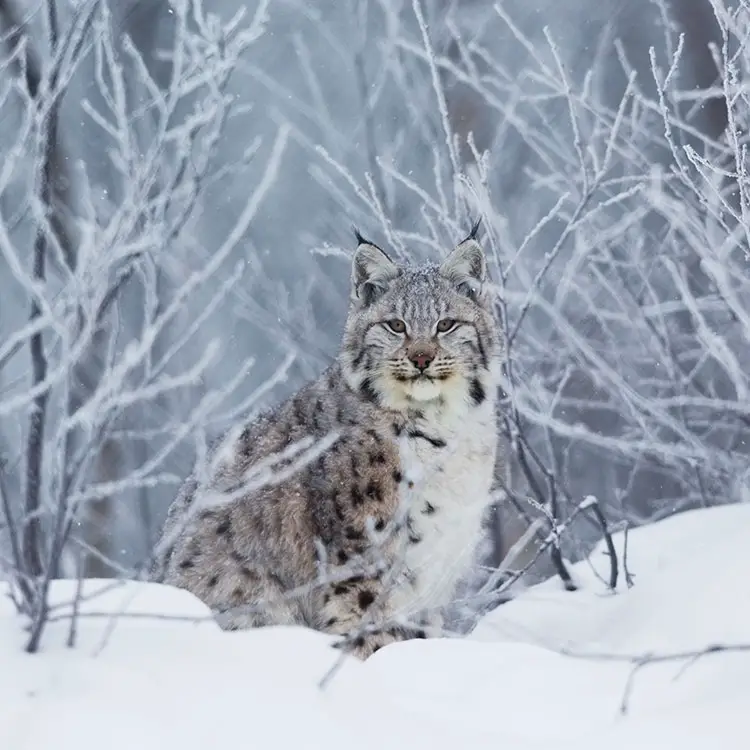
[151,670]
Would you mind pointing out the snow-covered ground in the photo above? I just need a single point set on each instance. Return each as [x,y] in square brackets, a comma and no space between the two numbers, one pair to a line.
[542,671]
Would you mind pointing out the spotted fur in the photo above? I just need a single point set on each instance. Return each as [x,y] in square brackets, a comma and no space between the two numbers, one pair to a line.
[369,536]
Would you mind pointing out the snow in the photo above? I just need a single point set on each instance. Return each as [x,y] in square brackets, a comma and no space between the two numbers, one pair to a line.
[548,669]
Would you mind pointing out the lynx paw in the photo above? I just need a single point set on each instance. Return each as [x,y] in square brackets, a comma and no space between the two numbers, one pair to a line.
[364,645]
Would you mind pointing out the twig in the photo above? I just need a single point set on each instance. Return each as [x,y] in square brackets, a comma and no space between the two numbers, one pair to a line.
[628,577]
[645,660]
[592,504]
[73,629]
[17,559]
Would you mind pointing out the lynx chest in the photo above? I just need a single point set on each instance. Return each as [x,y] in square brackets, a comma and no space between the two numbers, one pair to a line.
[448,472]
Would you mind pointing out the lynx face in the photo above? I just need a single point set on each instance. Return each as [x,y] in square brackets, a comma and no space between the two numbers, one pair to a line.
[420,334]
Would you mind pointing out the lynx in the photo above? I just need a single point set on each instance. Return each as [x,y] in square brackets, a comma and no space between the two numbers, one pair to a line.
[369,533]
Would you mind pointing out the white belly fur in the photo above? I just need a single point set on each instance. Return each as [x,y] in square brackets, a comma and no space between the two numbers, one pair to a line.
[456,480]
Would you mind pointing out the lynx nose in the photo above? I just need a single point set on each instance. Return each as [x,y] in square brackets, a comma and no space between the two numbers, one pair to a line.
[421,360]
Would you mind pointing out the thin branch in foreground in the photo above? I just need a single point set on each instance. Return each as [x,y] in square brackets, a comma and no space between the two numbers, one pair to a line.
[491,594]
[27,592]
[73,630]
[593,504]
[519,441]
[628,576]
[639,661]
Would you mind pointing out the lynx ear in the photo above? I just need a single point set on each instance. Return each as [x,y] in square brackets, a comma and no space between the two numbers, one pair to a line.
[466,266]
[372,271]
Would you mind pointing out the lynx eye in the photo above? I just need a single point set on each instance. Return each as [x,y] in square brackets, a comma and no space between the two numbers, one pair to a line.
[396,325]
[446,324]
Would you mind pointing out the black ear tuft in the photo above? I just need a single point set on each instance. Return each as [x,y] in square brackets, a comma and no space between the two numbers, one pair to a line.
[360,239]
[474,229]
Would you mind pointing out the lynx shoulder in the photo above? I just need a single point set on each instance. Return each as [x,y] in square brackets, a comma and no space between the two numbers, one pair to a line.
[356,505]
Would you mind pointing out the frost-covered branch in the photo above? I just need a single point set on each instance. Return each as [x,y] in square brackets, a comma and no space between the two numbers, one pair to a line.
[616,224]
[96,367]
[614,218]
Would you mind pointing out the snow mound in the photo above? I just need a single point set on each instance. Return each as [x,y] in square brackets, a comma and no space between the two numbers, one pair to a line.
[152,670]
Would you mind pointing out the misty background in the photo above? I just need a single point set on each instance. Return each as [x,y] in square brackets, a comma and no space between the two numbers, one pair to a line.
[178,186]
